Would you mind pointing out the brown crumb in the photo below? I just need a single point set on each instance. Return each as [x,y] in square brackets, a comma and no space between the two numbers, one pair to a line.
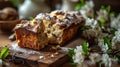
[52,55]
[55,48]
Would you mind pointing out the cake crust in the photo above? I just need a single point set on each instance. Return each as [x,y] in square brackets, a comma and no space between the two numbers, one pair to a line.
[61,26]
[57,27]
[31,35]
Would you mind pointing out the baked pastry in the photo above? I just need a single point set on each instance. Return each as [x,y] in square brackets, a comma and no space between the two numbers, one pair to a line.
[61,26]
[56,27]
[31,34]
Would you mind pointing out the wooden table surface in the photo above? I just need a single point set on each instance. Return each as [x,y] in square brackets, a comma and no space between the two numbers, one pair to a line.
[4,41]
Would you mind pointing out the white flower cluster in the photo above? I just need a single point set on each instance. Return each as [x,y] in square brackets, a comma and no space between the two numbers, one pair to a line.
[91,22]
[102,14]
[94,57]
[95,30]
[116,39]
[87,10]
[103,46]
[79,56]
[115,22]
[106,60]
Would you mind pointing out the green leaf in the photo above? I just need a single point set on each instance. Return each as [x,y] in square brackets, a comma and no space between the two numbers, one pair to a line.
[85,28]
[107,41]
[74,64]
[102,7]
[31,18]
[17,3]
[4,53]
[99,63]
[112,14]
[112,31]
[80,5]
[71,52]
[117,56]
[101,22]
[82,1]
[108,8]
[85,48]
[77,7]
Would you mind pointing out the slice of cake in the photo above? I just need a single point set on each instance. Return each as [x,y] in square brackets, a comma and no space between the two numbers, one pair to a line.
[61,26]
[30,34]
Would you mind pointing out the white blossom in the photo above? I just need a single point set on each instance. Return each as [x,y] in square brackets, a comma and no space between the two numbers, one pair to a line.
[95,30]
[94,57]
[116,39]
[78,57]
[87,10]
[102,14]
[94,24]
[115,22]
[91,22]
[106,60]
[104,47]
[0,61]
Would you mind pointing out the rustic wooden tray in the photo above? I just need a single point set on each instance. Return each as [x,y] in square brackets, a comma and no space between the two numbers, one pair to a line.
[42,58]
[23,59]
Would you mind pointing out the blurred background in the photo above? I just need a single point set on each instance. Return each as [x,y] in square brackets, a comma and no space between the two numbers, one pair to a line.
[12,11]
[57,4]
[115,4]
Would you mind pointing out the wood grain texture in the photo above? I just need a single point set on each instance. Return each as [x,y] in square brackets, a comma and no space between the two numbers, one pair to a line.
[33,60]
[4,39]
[20,59]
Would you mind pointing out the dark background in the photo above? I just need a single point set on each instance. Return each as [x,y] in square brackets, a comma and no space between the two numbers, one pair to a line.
[115,4]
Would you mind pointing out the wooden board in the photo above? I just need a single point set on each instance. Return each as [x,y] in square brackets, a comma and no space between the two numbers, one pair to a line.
[32,57]
[4,39]
[23,59]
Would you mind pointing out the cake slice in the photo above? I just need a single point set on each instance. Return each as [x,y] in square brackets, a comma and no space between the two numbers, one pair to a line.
[61,26]
[30,34]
